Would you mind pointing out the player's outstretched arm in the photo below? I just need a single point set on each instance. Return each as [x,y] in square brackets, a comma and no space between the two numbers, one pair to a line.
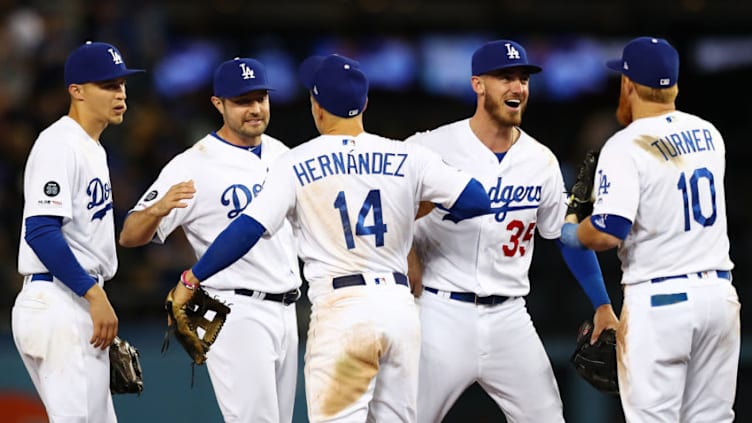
[585,267]
[230,245]
[140,226]
[611,230]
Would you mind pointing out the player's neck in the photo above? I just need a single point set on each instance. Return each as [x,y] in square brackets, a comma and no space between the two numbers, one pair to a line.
[646,109]
[352,127]
[93,127]
[497,138]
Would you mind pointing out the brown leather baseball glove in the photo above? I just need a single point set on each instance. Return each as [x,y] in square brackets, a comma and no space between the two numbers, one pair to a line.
[201,311]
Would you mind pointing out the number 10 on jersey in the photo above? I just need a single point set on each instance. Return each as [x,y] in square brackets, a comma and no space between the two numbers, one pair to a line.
[690,189]
[371,203]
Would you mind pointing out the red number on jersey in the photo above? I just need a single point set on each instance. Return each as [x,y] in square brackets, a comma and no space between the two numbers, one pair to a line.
[518,230]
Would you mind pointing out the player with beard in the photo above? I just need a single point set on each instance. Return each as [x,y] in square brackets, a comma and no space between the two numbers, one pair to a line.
[660,200]
[475,324]
[253,363]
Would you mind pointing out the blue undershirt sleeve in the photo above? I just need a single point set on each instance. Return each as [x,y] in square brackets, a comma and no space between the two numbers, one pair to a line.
[45,237]
[233,243]
[585,267]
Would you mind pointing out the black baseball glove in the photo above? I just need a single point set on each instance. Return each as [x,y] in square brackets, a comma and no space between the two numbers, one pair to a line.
[581,195]
[201,311]
[596,363]
[125,368]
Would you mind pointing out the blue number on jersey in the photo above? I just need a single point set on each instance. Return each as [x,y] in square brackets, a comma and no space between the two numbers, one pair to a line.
[694,190]
[378,229]
[603,184]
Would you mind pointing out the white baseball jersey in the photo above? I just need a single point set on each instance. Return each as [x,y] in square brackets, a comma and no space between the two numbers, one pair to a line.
[488,255]
[491,255]
[665,174]
[354,202]
[227,180]
[67,175]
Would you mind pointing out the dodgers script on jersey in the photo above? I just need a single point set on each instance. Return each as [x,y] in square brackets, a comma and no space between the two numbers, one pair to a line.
[527,193]
[676,176]
[77,189]
[229,180]
[349,198]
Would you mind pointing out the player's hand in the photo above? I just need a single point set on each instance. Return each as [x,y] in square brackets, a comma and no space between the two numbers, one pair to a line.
[604,318]
[174,199]
[180,296]
[103,318]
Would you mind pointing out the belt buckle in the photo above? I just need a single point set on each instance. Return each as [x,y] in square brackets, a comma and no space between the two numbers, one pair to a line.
[475,299]
[297,294]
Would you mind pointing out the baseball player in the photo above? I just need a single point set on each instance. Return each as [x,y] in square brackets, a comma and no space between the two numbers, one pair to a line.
[660,200]
[353,197]
[62,321]
[475,324]
[253,363]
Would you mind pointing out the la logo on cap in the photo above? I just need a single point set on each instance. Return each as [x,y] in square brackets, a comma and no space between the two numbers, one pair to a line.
[116,58]
[512,52]
[247,73]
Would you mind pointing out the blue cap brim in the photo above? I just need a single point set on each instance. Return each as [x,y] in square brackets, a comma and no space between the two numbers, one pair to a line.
[530,69]
[233,94]
[115,75]
[615,65]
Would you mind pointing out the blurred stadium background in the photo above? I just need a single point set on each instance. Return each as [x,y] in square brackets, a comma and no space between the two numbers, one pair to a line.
[417,55]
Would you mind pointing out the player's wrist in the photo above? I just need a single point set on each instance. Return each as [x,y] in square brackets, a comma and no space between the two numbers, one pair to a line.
[188,280]
[569,236]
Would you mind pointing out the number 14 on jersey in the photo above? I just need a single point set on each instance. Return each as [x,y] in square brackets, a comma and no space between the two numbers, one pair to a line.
[372,202]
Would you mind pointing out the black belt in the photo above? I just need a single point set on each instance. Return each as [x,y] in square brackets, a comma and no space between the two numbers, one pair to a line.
[470,297]
[723,274]
[358,279]
[285,298]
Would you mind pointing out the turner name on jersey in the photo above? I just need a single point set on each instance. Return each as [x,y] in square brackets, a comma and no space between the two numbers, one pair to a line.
[685,142]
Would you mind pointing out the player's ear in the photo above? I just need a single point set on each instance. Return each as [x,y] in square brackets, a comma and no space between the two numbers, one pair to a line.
[627,85]
[75,91]
[316,109]
[477,85]
[217,102]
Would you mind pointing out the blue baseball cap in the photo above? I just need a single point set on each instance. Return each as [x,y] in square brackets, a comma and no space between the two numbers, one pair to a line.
[94,62]
[501,54]
[337,84]
[239,76]
[648,61]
